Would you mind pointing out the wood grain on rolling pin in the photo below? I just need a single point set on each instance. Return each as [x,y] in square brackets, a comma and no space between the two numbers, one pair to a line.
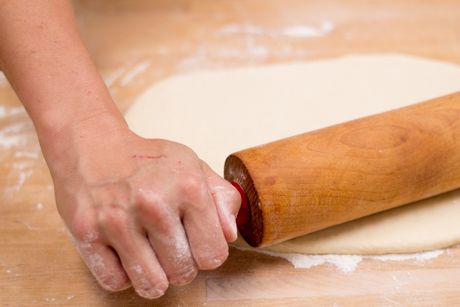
[329,176]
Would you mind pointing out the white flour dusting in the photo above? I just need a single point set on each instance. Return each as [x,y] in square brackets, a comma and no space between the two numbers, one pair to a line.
[260,52]
[346,263]
[298,30]
[11,135]
[252,49]
[26,154]
[12,138]
[139,68]
[10,111]
[23,176]
[3,81]
[110,79]
[308,31]
[24,170]
[241,29]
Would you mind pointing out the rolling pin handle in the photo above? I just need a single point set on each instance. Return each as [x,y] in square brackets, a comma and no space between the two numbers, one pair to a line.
[244,213]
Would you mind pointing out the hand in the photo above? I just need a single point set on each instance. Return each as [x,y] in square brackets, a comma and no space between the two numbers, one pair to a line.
[145,212]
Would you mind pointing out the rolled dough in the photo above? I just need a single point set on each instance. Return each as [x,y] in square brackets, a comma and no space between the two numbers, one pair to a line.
[217,113]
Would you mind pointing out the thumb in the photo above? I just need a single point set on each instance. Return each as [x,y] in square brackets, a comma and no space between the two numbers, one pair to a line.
[227,201]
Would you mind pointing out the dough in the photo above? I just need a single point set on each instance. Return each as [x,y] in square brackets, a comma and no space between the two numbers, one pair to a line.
[424,225]
[217,113]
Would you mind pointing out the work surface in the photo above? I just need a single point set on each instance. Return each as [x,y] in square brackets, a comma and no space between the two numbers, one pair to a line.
[136,43]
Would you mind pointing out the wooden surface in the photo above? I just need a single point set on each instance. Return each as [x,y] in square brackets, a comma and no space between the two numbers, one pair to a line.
[315,180]
[135,43]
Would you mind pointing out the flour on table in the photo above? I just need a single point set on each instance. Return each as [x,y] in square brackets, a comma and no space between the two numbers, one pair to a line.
[218,113]
[345,263]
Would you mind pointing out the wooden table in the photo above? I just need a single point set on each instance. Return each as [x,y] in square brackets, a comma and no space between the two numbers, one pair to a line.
[136,43]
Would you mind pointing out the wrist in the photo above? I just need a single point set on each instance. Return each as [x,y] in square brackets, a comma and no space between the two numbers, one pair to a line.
[64,135]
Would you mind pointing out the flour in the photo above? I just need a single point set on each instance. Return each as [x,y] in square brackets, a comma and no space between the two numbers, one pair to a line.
[23,176]
[23,169]
[308,31]
[3,81]
[11,135]
[253,50]
[139,68]
[345,263]
[241,29]
[26,154]
[30,227]
[110,79]
[10,111]
[298,30]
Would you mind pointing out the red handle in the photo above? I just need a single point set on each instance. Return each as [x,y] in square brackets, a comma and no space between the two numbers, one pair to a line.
[244,214]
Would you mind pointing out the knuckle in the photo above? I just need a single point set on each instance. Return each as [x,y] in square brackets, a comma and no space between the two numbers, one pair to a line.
[142,199]
[112,216]
[191,187]
[151,206]
[83,229]
[114,219]
[155,211]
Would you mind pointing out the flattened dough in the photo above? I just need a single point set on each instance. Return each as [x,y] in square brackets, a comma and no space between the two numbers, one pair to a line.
[218,113]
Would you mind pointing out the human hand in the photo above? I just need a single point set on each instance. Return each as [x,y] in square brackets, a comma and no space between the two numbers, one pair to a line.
[146,212]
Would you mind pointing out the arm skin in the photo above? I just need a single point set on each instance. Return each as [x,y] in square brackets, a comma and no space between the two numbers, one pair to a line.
[145,212]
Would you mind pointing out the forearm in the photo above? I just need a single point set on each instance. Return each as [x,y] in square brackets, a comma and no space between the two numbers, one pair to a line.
[43,56]
[140,210]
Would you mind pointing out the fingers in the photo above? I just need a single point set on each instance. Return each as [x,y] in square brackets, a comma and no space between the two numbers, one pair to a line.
[159,225]
[201,223]
[175,256]
[160,240]
[168,240]
[142,267]
[227,201]
[105,265]
[122,232]
[102,260]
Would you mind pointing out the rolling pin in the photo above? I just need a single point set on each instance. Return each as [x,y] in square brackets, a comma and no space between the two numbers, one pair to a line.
[329,176]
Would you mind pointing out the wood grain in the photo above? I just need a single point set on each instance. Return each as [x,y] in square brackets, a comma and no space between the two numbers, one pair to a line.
[137,43]
[326,177]
[331,285]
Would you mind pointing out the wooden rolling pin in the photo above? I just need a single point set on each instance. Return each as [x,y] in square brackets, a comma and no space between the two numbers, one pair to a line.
[322,178]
